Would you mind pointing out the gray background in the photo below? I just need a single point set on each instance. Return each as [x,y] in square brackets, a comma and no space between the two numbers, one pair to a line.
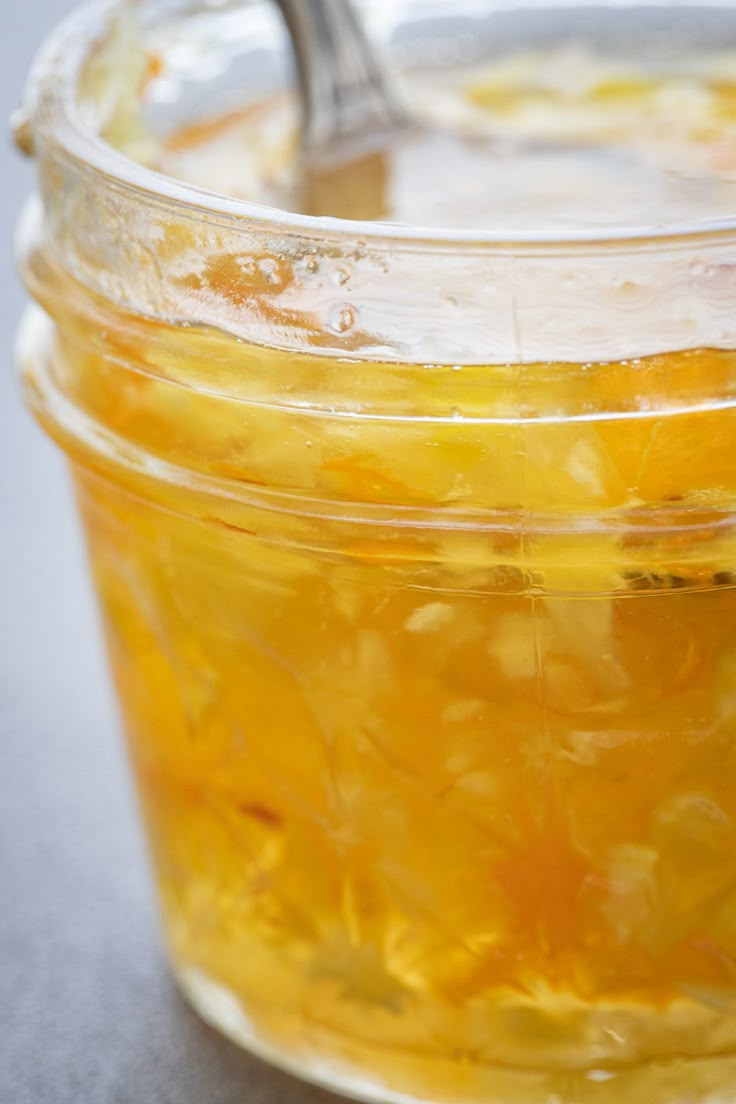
[87,1012]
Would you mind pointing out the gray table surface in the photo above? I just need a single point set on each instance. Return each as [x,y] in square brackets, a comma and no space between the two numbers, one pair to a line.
[88,1014]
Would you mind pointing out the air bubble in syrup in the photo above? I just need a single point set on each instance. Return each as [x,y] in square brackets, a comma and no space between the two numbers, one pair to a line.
[342,318]
[340,276]
[269,269]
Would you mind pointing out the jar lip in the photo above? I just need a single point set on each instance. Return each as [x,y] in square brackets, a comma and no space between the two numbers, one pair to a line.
[51,104]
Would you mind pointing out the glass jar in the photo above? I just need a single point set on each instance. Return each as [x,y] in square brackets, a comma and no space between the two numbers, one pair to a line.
[417,565]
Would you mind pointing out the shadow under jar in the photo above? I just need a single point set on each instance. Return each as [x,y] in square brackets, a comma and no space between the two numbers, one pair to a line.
[416,555]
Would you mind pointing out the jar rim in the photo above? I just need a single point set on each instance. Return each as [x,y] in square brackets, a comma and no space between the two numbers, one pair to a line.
[51,105]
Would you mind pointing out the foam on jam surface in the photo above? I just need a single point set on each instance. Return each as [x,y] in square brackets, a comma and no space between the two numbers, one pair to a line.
[540,141]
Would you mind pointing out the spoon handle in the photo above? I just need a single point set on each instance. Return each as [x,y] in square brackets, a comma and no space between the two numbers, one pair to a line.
[344,92]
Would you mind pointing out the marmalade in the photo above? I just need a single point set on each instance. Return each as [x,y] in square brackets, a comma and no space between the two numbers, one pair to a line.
[433,718]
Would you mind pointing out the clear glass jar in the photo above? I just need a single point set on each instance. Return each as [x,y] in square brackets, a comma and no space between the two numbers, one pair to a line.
[417,564]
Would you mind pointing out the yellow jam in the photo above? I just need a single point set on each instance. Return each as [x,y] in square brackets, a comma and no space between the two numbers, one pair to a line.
[433,718]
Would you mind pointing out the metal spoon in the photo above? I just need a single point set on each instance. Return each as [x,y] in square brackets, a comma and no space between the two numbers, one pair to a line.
[350,114]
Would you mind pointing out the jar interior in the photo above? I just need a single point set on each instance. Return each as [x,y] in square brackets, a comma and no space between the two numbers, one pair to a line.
[534,118]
